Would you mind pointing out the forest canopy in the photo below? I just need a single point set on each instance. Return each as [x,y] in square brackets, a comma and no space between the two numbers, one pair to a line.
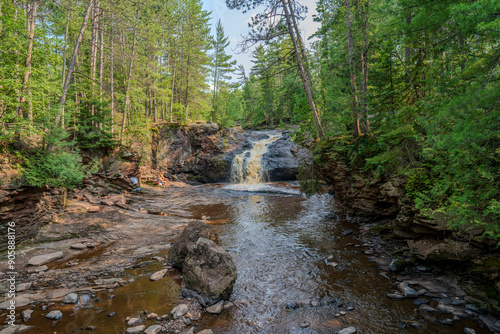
[407,87]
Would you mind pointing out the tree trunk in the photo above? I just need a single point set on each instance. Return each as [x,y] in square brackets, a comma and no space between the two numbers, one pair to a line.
[27,73]
[101,68]
[303,75]
[172,91]
[364,112]
[93,52]
[352,74]
[127,97]
[71,66]
[111,74]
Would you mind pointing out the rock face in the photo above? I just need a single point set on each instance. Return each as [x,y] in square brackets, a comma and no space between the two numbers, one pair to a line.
[183,244]
[281,159]
[204,152]
[30,208]
[209,273]
[196,152]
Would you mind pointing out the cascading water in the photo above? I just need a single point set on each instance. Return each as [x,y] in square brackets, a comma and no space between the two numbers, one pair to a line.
[247,167]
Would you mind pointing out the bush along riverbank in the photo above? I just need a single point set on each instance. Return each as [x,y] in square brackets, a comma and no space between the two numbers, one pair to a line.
[393,196]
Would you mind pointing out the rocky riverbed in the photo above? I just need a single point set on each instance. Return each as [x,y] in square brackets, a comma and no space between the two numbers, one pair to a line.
[103,268]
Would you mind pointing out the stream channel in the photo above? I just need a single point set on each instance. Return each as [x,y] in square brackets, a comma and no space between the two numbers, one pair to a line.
[280,241]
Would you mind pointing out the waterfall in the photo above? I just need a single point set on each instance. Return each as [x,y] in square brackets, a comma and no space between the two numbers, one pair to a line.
[246,167]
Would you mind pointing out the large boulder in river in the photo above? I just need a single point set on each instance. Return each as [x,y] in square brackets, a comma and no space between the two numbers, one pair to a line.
[181,247]
[208,272]
[281,159]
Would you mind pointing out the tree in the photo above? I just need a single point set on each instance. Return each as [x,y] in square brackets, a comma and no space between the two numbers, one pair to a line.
[271,23]
[221,67]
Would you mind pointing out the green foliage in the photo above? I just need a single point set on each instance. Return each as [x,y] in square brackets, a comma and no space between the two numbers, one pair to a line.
[58,169]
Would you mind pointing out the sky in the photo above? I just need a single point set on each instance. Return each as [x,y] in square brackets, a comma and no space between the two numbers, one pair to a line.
[235,24]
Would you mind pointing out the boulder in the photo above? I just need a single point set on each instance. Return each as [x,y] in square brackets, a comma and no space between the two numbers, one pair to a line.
[70,298]
[443,251]
[209,273]
[407,291]
[194,231]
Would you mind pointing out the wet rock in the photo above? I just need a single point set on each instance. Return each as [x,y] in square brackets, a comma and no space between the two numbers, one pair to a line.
[70,298]
[43,259]
[447,321]
[26,314]
[458,302]
[209,273]
[216,308]
[398,265]
[348,330]
[158,275]
[420,301]
[305,324]
[155,329]
[451,310]
[54,315]
[327,300]
[182,245]
[133,321]
[396,296]
[227,305]
[407,291]
[188,331]
[152,315]
[447,250]
[179,311]
[78,246]
[135,330]
[468,330]
[427,308]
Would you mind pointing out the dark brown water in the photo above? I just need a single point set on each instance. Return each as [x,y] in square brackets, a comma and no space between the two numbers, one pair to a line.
[279,241]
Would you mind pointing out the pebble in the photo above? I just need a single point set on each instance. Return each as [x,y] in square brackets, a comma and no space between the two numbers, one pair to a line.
[111,314]
[407,291]
[348,330]
[315,303]
[458,302]
[135,330]
[206,331]
[188,331]
[158,275]
[90,328]
[327,300]
[70,298]
[179,311]
[152,315]
[333,264]
[396,296]
[155,329]
[26,314]
[347,232]
[228,304]
[350,308]
[342,313]
[427,308]
[216,308]
[186,321]
[468,330]
[446,322]
[421,268]
[420,301]
[78,246]
[54,315]
[305,324]
[421,292]
[133,321]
